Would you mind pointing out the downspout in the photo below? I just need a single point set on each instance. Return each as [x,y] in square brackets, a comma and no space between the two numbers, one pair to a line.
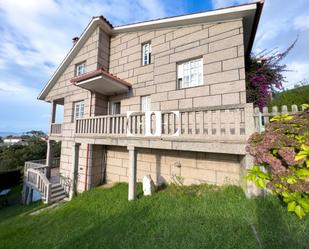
[87,154]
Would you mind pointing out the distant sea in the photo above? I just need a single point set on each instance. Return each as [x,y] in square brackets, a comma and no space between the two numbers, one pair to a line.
[7,133]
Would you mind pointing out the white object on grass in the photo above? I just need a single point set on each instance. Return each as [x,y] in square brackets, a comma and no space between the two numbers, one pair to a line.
[148,185]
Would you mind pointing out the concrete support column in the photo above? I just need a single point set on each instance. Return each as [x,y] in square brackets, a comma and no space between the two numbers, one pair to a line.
[249,187]
[247,161]
[53,111]
[132,173]
[52,115]
[49,158]
[74,171]
[89,167]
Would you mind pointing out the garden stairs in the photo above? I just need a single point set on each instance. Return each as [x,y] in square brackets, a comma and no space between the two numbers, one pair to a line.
[57,193]
[36,178]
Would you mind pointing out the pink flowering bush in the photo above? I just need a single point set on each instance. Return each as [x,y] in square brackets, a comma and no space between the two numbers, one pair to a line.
[264,75]
[282,160]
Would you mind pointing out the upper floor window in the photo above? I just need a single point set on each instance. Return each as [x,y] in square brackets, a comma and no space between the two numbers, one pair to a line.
[115,108]
[145,103]
[79,108]
[190,73]
[146,53]
[80,68]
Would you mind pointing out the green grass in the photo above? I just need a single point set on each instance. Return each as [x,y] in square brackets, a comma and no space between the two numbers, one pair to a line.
[197,217]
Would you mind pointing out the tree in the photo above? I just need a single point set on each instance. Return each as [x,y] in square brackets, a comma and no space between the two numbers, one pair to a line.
[297,96]
[15,156]
[36,133]
[1,140]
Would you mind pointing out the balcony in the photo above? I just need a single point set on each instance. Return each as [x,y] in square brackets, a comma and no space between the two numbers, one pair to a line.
[55,129]
[199,129]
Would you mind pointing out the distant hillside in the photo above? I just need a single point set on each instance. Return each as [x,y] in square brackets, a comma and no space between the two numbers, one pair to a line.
[7,133]
[297,96]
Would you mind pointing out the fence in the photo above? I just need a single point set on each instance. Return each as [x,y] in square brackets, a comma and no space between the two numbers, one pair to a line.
[261,119]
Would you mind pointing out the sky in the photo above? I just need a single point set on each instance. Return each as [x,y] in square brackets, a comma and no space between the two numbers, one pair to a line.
[35,36]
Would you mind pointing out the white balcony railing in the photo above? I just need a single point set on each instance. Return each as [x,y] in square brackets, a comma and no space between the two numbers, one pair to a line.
[55,129]
[223,122]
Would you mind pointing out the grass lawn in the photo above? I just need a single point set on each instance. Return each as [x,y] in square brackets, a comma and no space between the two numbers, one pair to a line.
[197,217]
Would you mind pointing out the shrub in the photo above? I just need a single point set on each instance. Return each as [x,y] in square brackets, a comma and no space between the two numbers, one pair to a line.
[282,160]
[264,75]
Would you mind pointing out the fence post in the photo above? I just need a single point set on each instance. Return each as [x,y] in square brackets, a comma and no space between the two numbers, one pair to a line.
[48,193]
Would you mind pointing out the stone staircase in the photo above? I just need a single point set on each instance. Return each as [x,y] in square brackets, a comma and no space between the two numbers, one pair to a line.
[57,193]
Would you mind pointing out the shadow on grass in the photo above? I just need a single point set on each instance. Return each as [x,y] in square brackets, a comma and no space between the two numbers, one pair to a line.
[277,228]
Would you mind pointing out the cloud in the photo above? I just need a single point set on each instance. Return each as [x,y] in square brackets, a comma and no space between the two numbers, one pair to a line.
[302,22]
[278,29]
[35,36]
[17,92]
[226,3]
[298,71]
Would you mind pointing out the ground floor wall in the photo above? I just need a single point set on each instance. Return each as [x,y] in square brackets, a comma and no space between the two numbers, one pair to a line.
[164,165]
[98,164]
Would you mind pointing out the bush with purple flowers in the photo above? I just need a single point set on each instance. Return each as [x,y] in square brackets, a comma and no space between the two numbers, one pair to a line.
[282,160]
[265,75]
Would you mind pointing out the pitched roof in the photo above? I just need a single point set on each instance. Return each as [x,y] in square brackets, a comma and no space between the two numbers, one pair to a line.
[249,12]
[99,72]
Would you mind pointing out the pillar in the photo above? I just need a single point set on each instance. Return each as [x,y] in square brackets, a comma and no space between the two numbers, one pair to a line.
[52,115]
[49,158]
[53,111]
[249,187]
[89,166]
[74,171]
[132,173]
[247,161]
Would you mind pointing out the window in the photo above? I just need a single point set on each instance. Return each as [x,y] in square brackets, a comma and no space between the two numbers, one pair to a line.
[115,108]
[79,108]
[145,103]
[80,69]
[146,53]
[190,73]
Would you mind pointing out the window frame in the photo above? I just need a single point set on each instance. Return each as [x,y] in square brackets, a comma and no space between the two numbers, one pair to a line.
[80,114]
[148,103]
[112,107]
[199,74]
[76,72]
[148,62]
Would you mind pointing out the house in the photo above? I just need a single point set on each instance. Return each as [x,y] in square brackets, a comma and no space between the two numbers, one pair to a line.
[14,140]
[190,69]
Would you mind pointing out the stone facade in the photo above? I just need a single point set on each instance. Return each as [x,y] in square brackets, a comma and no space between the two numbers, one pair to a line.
[163,165]
[95,53]
[222,49]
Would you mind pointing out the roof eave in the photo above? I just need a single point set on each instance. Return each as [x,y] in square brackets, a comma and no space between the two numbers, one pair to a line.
[257,17]
[92,25]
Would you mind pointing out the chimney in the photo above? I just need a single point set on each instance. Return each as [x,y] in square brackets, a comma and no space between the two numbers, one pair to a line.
[74,40]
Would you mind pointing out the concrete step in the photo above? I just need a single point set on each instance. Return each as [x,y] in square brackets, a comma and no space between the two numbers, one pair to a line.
[59,193]
[58,198]
[57,189]
[56,185]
